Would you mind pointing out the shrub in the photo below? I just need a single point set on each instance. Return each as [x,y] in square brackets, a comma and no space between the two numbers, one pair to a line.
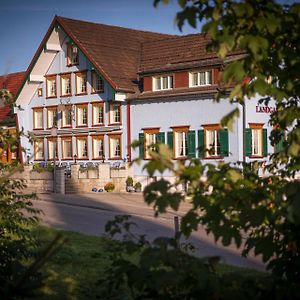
[129,181]
[109,187]
[138,186]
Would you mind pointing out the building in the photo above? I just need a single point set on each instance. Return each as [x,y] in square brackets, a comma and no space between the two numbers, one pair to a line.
[9,120]
[104,86]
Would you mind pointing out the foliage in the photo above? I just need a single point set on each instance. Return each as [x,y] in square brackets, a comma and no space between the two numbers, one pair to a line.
[109,187]
[129,181]
[138,186]
[234,202]
[164,269]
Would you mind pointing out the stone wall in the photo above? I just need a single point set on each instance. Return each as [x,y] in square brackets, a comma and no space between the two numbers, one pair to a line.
[40,182]
[84,180]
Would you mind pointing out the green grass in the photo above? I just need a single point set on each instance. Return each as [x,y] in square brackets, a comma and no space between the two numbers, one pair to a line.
[74,270]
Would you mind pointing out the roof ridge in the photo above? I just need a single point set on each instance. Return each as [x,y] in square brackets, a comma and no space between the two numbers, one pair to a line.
[119,27]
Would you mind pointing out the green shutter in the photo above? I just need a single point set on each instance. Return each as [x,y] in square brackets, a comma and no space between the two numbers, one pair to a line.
[248,142]
[224,142]
[170,139]
[160,137]
[191,143]
[141,146]
[201,144]
[265,142]
[280,145]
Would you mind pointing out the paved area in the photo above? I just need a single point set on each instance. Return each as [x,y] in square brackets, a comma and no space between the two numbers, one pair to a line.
[88,213]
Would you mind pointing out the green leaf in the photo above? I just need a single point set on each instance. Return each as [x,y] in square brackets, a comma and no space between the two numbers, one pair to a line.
[229,119]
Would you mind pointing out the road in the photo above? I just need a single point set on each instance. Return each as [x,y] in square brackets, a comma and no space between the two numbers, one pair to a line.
[89,213]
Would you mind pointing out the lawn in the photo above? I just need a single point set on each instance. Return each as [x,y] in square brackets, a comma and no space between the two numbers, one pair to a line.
[75,269]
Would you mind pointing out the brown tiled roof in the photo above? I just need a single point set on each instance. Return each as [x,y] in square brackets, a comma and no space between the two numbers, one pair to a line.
[115,51]
[177,53]
[11,82]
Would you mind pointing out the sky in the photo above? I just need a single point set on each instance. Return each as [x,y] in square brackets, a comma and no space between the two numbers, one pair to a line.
[23,23]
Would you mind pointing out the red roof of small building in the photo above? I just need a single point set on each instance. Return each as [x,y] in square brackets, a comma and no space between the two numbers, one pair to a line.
[11,82]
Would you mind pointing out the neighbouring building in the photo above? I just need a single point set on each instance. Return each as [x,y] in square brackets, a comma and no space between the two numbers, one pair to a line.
[104,86]
[8,119]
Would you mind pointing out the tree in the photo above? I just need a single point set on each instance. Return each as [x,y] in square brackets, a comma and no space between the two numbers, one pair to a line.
[232,203]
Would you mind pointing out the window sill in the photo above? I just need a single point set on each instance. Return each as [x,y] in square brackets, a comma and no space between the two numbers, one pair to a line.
[70,158]
[115,158]
[72,65]
[81,94]
[41,128]
[213,157]
[66,95]
[81,126]
[98,92]
[181,158]
[67,126]
[256,156]
[114,124]
[39,159]
[51,97]
[161,90]
[81,158]
[98,125]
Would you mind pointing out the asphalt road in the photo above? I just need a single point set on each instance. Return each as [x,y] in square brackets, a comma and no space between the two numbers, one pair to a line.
[89,213]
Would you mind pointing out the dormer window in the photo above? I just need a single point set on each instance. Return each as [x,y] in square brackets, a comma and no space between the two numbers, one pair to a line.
[201,78]
[163,82]
[72,55]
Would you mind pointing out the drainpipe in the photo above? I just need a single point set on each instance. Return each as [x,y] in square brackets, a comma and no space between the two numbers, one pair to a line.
[244,131]
[128,106]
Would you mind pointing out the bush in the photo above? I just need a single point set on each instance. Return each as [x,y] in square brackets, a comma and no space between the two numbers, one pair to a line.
[138,186]
[129,181]
[109,187]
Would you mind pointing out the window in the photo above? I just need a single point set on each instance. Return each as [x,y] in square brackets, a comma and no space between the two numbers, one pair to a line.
[38,146]
[82,115]
[256,140]
[98,114]
[180,142]
[213,141]
[67,117]
[51,117]
[65,84]
[40,92]
[38,119]
[52,148]
[72,55]
[67,149]
[97,83]
[115,113]
[147,140]
[201,78]
[81,83]
[51,86]
[115,147]
[82,148]
[163,82]
[98,147]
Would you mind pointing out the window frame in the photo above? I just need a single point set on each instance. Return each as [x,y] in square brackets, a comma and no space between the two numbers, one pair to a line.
[78,75]
[216,128]
[176,131]
[80,106]
[64,139]
[35,149]
[52,109]
[147,133]
[170,82]
[97,104]
[111,113]
[260,127]
[95,76]
[98,137]
[79,138]
[206,72]
[51,139]
[51,78]
[110,138]
[63,115]
[34,110]
[63,76]
[70,62]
